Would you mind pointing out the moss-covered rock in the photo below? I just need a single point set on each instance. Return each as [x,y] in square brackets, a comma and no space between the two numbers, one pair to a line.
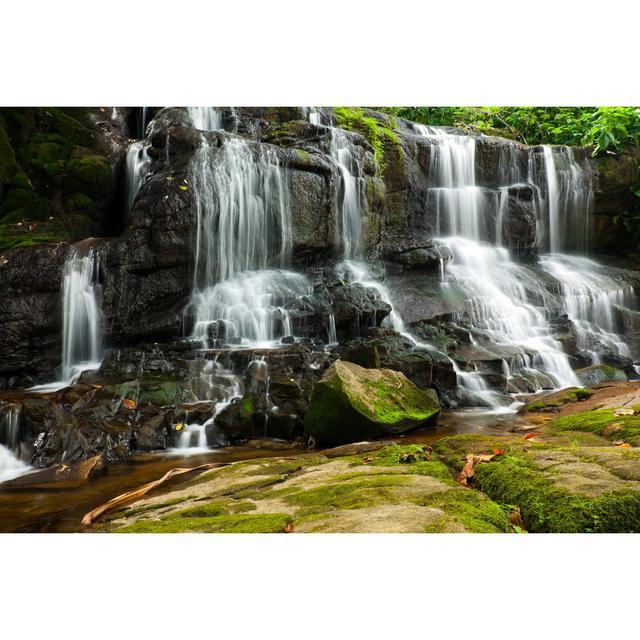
[56,177]
[557,489]
[391,489]
[599,374]
[351,403]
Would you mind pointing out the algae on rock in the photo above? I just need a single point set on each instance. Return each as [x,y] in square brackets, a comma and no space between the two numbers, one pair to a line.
[351,403]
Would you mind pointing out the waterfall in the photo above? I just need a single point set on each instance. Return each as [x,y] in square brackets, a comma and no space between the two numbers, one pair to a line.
[591,299]
[349,196]
[332,337]
[137,165]
[81,314]
[568,200]
[205,118]
[10,425]
[495,289]
[10,466]
[244,233]
[214,383]
[250,305]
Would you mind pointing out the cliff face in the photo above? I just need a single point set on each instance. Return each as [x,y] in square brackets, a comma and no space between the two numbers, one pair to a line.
[62,180]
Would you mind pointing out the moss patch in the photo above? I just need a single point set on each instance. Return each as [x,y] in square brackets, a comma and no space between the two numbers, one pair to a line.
[351,403]
[601,422]
[375,131]
[241,523]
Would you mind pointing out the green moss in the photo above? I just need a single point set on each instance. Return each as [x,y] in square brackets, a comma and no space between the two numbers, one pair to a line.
[362,491]
[90,174]
[206,510]
[596,421]
[580,394]
[376,133]
[351,403]
[247,407]
[242,507]
[514,479]
[134,511]
[560,399]
[240,523]
[474,511]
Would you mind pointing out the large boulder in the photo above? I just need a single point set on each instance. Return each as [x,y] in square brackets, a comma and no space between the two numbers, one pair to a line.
[599,374]
[351,403]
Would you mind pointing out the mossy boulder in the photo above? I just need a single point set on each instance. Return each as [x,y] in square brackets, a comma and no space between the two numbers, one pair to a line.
[351,403]
[599,374]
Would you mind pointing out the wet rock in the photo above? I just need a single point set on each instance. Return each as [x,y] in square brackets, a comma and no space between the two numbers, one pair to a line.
[599,374]
[350,403]
[60,475]
[29,316]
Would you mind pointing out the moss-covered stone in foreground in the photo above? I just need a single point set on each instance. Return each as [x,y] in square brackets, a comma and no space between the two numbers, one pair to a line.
[558,489]
[262,523]
[394,489]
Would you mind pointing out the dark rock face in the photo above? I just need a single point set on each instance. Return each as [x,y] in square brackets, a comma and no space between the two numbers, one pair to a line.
[57,174]
[148,273]
[30,313]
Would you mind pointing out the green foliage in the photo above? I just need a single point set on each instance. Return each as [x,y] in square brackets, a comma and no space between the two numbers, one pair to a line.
[376,133]
[604,128]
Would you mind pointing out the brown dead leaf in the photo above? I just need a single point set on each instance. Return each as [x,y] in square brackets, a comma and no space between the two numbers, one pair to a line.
[468,470]
[624,445]
[531,435]
[129,404]
[288,528]
[367,460]
[498,452]
[515,519]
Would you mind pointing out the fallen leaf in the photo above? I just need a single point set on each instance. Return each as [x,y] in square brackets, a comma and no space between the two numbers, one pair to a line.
[530,435]
[467,471]
[288,528]
[515,519]
[179,426]
[129,404]
[367,460]
[624,412]
[624,445]
[483,457]
[498,452]
[183,187]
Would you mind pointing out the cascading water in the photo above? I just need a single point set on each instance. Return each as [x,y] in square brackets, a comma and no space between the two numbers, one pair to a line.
[495,288]
[567,202]
[10,425]
[243,232]
[594,302]
[205,118]
[10,466]
[81,314]
[506,304]
[215,384]
[82,322]
[137,165]
[349,195]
